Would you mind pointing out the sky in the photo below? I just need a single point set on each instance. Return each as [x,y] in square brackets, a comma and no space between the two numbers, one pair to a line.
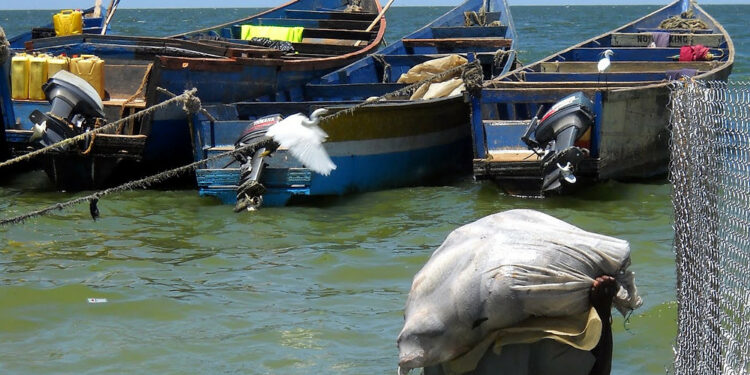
[68,4]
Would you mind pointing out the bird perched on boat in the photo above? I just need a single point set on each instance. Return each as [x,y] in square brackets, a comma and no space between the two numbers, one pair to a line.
[304,140]
[604,62]
[38,131]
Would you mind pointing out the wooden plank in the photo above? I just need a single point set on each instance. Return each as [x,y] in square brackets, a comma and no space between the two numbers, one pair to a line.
[675,40]
[502,156]
[338,34]
[570,85]
[492,42]
[333,15]
[468,31]
[350,91]
[541,95]
[596,77]
[130,146]
[627,54]
[321,24]
[627,66]
[325,49]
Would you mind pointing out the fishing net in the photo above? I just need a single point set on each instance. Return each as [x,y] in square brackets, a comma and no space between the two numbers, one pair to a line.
[710,171]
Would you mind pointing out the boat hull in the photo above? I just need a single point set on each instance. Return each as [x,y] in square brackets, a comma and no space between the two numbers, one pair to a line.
[629,137]
[379,147]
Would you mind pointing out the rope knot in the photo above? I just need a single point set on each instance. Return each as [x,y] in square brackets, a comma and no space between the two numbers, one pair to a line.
[473,77]
[191,104]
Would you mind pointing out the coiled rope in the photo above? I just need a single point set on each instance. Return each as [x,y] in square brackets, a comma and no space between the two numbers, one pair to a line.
[184,97]
[685,20]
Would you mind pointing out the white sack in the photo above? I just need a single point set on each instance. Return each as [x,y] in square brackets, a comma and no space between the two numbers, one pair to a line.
[500,270]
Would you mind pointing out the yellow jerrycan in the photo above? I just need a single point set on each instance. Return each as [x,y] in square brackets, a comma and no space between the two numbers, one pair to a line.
[68,22]
[90,68]
[19,76]
[56,64]
[38,70]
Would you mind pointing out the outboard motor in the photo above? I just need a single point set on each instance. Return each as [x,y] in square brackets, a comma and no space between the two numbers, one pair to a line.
[250,190]
[555,134]
[76,107]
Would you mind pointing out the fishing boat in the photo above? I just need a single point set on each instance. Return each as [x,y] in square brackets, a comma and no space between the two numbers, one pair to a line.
[225,63]
[401,141]
[597,110]
[92,22]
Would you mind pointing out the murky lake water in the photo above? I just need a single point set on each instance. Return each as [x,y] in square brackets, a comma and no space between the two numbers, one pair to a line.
[194,288]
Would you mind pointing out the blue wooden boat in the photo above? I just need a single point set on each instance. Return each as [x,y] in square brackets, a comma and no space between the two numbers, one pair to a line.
[217,61]
[385,144]
[93,22]
[628,111]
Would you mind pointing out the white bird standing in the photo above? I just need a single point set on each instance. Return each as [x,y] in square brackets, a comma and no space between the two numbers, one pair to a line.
[604,63]
[304,140]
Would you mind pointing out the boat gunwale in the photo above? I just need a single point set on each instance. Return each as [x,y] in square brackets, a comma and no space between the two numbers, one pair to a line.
[727,64]
[366,49]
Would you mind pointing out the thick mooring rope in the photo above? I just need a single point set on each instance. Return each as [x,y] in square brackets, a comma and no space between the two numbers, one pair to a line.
[113,125]
[685,20]
[263,142]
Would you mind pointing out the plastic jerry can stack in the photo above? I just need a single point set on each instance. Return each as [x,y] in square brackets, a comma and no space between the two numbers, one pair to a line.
[91,69]
[38,73]
[19,76]
[68,22]
[57,63]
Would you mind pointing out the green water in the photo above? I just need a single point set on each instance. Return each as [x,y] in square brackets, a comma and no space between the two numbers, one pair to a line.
[195,288]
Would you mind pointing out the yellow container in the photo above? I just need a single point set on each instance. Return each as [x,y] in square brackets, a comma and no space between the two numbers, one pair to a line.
[19,76]
[56,64]
[38,68]
[90,68]
[68,22]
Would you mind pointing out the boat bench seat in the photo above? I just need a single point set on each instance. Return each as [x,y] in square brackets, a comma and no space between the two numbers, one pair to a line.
[350,91]
[330,15]
[468,31]
[315,24]
[675,40]
[596,77]
[627,66]
[488,42]
[628,54]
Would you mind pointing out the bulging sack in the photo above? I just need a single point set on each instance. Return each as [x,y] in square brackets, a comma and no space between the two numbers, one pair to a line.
[500,270]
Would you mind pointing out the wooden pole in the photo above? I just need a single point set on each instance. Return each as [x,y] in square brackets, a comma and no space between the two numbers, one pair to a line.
[376,20]
[110,12]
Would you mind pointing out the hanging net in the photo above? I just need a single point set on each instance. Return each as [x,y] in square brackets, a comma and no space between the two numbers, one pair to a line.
[710,173]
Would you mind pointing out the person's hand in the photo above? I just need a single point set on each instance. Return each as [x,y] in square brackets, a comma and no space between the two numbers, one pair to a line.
[602,292]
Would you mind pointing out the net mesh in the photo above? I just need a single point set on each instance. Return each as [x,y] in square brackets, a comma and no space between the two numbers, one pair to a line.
[710,173]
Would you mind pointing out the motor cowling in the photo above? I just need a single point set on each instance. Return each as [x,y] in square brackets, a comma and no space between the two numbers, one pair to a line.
[76,107]
[250,190]
[555,135]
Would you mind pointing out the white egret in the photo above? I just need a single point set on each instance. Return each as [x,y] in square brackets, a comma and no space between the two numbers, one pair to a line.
[604,63]
[304,140]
